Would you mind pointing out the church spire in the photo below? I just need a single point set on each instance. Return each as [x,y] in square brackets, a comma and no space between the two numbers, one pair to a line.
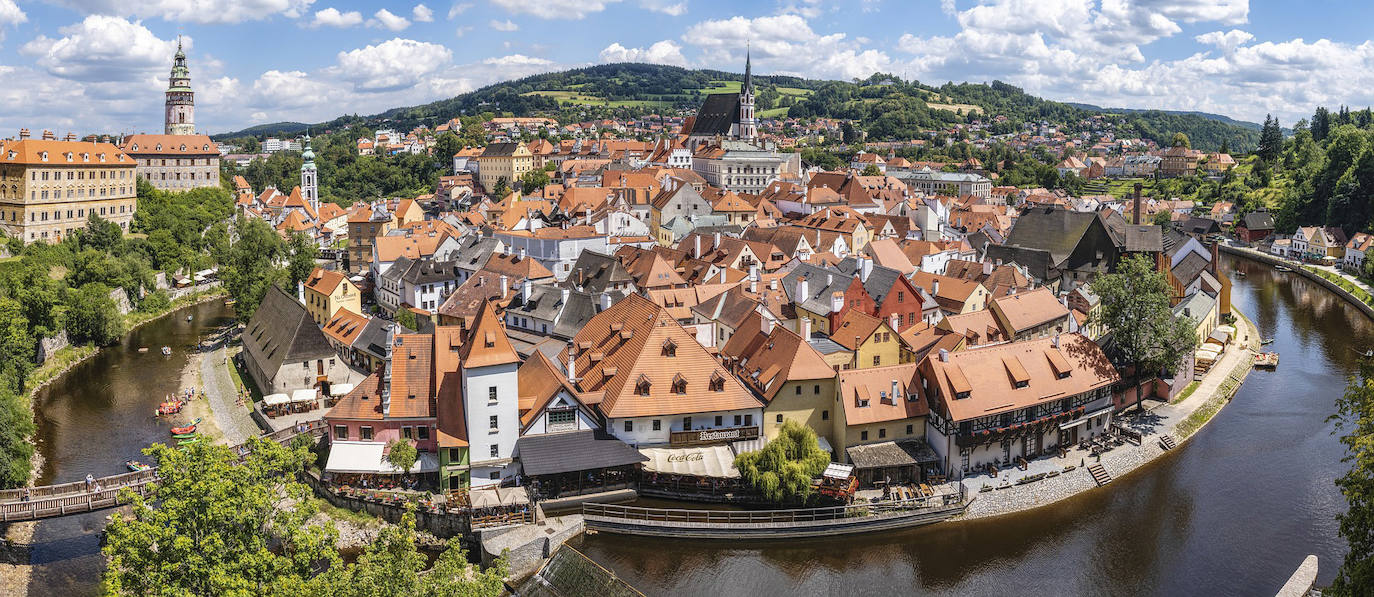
[748,72]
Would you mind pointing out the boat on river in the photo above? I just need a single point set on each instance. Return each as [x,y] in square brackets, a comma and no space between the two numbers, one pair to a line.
[187,442]
[1267,341]
[1282,268]
[1267,360]
[184,435]
[187,429]
[136,466]
[170,408]
[188,318]
[166,351]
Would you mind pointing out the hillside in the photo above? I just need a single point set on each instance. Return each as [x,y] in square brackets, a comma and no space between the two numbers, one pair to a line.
[884,105]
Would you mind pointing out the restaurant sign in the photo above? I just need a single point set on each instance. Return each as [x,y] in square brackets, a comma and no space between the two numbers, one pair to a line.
[711,436]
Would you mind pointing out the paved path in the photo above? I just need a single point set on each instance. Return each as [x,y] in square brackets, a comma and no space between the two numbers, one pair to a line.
[234,420]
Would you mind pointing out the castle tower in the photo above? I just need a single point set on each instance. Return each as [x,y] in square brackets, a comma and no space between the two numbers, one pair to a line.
[748,126]
[181,101]
[310,183]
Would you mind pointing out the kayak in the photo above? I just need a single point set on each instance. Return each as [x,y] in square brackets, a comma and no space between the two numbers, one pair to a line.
[184,435]
[187,442]
[136,466]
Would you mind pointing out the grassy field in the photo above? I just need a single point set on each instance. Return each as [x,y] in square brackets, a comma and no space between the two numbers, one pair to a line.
[773,113]
[966,108]
[734,87]
[1188,391]
[572,98]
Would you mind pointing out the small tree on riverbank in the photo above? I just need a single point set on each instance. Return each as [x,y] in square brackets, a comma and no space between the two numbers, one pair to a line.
[1136,309]
[783,470]
[401,455]
[1355,417]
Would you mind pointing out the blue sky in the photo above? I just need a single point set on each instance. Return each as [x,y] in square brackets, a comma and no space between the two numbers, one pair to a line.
[100,65]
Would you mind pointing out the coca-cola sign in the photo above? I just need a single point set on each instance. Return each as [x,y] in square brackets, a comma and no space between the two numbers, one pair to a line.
[688,457]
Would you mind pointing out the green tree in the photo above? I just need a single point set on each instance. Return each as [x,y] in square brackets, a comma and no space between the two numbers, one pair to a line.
[1355,419]
[16,449]
[533,180]
[16,345]
[301,253]
[216,526]
[391,566]
[1136,310]
[871,170]
[1180,140]
[1271,140]
[401,455]
[101,234]
[502,188]
[1162,218]
[251,265]
[93,317]
[783,470]
[406,318]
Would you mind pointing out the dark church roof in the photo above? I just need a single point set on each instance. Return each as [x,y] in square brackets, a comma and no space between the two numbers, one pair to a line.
[717,114]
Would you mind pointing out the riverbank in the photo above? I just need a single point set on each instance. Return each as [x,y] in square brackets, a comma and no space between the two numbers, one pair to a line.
[1180,420]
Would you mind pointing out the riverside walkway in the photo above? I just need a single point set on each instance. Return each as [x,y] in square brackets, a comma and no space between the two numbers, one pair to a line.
[66,499]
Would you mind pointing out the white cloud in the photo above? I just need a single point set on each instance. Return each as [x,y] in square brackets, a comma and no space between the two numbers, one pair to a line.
[102,49]
[421,14]
[784,44]
[10,14]
[457,9]
[555,9]
[462,30]
[517,60]
[331,17]
[192,11]
[506,25]
[385,19]
[1227,41]
[663,52]
[668,7]
[393,64]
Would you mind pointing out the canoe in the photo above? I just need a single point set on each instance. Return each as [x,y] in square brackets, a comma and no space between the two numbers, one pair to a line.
[187,442]
[166,351]
[184,435]
[136,466]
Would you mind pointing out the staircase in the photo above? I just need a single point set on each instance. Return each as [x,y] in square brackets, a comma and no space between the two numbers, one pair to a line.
[1099,474]
[1167,442]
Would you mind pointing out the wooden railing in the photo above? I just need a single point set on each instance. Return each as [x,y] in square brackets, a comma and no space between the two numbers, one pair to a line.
[781,518]
[30,503]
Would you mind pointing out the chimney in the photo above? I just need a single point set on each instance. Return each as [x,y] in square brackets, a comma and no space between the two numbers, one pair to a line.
[386,369]
[605,301]
[865,268]
[836,301]
[300,292]
[715,241]
[894,321]
[754,273]
[934,288]
[896,391]
[987,268]
[944,355]
[802,289]
[522,253]
[48,136]
[564,293]
[806,328]
[1055,342]
[505,285]
[23,134]
[766,325]
[1135,216]
[70,137]
[696,251]
[722,275]
[526,289]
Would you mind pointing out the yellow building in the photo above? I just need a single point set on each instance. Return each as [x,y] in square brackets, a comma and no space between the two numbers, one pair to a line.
[48,188]
[788,375]
[878,404]
[327,291]
[364,226]
[507,161]
[873,342]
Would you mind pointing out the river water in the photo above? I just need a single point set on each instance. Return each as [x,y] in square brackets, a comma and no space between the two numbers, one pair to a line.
[94,418]
[1231,512]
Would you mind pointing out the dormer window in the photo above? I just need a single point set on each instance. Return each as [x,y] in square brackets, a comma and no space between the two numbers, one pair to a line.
[642,386]
[133,147]
[679,384]
[669,348]
[717,382]
[43,156]
[158,148]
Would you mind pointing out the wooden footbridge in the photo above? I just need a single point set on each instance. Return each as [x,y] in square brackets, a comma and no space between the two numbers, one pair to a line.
[66,499]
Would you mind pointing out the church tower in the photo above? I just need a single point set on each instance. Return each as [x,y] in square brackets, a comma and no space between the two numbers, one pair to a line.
[310,183]
[748,125]
[181,101]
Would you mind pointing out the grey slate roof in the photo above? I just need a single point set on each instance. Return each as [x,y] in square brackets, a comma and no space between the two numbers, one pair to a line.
[281,331]
[1143,238]
[717,114]
[372,340]
[1190,267]
[820,282]
[427,271]
[594,272]
[499,149]
[553,453]
[1258,220]
[474,251]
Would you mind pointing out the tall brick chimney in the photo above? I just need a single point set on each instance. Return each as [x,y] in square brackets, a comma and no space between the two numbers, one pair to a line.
[1135,216]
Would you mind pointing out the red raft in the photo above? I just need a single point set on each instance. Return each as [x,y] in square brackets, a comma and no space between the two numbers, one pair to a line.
[170,408]
[187,429]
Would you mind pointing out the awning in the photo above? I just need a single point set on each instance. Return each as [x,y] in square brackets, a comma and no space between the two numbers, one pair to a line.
[553,453]
[367,457]
[1085,418]
[300,396]
[493,497]
[697,461]
[340,389]
[836,470]
[748,445]
[275,399]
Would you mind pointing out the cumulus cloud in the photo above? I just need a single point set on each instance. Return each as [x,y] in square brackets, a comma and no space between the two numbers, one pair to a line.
[192,11]
[668,7]
[784,44]
[10,14]
[555,9]
[1227,41]
[663,52]
[421,14]
[102,49]
[506,25]
[393,64]
[385,19]
[517,60]
[331,17]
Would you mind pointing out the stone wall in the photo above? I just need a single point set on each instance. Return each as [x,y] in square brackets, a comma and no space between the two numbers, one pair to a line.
[49,346]
[527,546]
[121,301]
[442,525]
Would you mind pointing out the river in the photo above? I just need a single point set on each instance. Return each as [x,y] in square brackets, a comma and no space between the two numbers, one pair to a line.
[92,419]
[1231,512]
